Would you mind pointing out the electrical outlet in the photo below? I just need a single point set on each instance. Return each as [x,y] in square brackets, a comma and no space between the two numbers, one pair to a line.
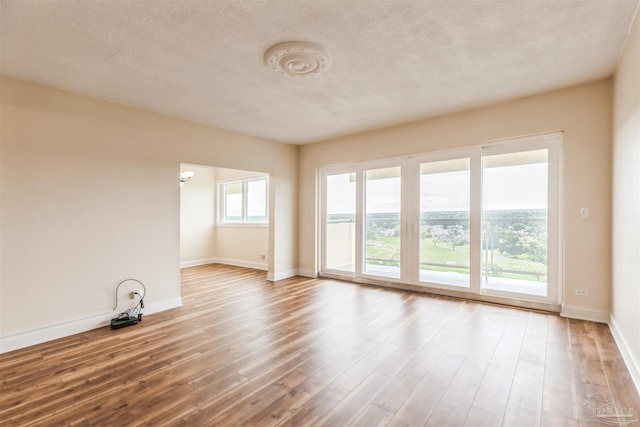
[582,292]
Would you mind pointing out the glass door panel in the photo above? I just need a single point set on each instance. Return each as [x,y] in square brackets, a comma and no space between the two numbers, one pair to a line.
[340,225]
[515,222]
[382,225]
[445,222]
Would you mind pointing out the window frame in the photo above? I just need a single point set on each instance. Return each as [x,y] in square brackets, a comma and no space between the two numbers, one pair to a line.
[323,246]
[222,186]
[410,164]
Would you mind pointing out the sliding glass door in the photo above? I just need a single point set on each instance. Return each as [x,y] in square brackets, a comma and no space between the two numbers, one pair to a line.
[482,219]
[339,252]
[445,214]
[382,222]
[519,220]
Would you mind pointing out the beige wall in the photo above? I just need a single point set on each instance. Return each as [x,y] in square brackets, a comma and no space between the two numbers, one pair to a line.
[197,216]
[283,221]
[582,112]
[227,174]
[242,245]
[626,195]
[90,196]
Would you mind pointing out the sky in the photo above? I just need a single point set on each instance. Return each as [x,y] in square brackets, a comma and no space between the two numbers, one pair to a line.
[504,188]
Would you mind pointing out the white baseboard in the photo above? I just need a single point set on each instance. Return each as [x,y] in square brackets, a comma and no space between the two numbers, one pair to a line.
[195,262]
[242,263]
[227,261]
[281,275]
[585,314]
[75,326]
[625,350]
[308,273]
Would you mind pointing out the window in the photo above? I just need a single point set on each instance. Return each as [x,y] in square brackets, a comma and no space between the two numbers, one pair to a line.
[482,219]
[340,222]
[243,201]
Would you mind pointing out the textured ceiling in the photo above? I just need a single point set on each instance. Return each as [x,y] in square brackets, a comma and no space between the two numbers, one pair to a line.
[393,61]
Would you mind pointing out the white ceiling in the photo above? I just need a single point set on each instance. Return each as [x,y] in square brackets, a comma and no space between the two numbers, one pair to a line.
[393,61]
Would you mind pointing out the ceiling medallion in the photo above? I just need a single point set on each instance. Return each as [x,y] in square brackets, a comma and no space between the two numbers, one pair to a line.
[298,59]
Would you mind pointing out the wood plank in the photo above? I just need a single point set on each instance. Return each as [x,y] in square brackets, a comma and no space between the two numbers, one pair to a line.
[333,393]
[395,394]
[301,417]
[455,404]
[493,393]
[619,379]
[373,416]
[355,402]
[419,406]
[480,418]
[525,396]
[589,377]
[287,405]
[559,398]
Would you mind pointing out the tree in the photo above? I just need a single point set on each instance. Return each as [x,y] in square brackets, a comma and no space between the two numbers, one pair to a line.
[522,238]
[455,235]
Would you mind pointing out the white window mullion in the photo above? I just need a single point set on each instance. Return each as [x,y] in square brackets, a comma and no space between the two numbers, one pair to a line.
[323,220]
[359,221]
[244,201]
[554,267]
[475,262]
[222,203]
[410,221]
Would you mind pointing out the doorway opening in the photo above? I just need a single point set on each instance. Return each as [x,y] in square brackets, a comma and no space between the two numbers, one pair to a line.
[224,217]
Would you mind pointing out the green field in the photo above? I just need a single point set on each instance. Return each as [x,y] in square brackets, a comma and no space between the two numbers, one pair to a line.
[385,250]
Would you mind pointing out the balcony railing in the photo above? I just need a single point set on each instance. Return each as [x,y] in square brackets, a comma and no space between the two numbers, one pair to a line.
[513,247]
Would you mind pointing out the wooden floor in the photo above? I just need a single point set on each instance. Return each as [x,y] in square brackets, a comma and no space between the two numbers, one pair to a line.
[244,351]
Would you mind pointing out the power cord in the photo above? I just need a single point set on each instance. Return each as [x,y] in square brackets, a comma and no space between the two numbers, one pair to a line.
[132,315]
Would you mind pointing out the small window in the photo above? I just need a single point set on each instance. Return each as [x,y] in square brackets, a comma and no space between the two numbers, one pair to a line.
[243,202]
